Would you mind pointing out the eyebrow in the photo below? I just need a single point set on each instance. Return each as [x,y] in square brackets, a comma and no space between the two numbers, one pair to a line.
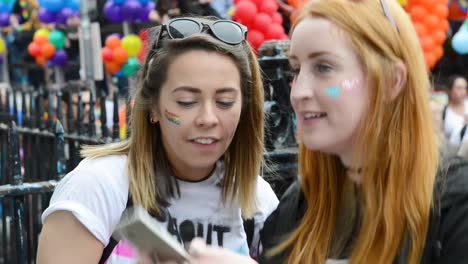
[198,91]
[312,55]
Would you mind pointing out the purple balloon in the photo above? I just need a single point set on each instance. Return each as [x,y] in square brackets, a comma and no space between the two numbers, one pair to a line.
[60,58]
[131,10]
[1,59]
[113,12]
[4,19]
[46,16]
[145,11]
[63,15]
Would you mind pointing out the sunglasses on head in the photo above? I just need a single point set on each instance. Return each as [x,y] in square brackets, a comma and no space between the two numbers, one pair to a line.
[227,31]
[388,14]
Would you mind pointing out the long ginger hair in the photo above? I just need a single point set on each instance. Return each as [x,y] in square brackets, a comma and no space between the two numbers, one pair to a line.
[398,147]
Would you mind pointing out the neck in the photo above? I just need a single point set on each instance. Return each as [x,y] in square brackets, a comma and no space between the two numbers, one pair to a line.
[191,174]
[354,173]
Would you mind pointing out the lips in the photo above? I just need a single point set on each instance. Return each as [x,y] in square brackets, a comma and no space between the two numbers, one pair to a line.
[205,140]
[313,115]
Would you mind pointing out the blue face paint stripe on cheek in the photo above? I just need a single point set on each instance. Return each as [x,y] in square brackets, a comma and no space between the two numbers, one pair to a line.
[333,92]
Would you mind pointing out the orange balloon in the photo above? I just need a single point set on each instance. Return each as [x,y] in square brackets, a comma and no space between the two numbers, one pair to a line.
[438,52]
[418,13]
[112,42]
[120,55]
[429,4]
[445,25]
[439,37]
[112,67]
[441,10]
[420,28]
[430,59]
[41,61]
[427,43]
[47,50]
[432,22]
[40,40]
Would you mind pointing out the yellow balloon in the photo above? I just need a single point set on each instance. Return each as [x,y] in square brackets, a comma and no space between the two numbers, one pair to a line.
[132,44]
[2,46]
[42,32]
[231,11]
[402,2]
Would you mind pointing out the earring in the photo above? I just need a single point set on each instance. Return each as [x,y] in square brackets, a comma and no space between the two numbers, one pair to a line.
[152,120]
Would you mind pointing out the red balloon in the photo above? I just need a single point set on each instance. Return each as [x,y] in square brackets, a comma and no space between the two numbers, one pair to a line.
[275,31]
[245,12]
[107,54]
[277,18]
[284,37]
[269,7]
[255,38]
[258,3]
[262,22]
[34,49]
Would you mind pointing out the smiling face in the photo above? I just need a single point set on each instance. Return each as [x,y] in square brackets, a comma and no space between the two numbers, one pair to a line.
[198,111]
[329,94]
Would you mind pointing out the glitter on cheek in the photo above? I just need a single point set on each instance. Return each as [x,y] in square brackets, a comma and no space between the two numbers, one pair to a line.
[350,85]
[333,92]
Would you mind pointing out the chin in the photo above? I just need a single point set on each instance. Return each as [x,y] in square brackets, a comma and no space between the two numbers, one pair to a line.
[321,145]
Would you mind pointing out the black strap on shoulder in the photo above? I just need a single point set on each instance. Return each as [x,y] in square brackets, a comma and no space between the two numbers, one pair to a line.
[462,133]
[112,242]
[249,228]
[444,112]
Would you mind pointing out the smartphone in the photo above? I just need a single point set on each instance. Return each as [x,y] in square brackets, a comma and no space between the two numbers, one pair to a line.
[147,234]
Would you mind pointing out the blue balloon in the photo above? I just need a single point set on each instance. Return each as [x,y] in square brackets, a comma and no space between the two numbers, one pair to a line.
[118,2]
[6,7]
[460,41]
[52,5]
[73,5]
[144,2]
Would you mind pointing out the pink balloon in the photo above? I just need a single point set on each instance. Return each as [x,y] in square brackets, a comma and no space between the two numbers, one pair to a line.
[277,18]
[275,31]
[255,38]
[269,7]
[262,22]
[245,12]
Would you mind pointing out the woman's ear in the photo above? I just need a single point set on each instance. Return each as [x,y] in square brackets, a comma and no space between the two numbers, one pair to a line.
[401,78]
[154,117]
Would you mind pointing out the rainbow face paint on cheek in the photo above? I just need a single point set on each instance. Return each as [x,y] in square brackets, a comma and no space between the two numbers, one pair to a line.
[172,117]
[350,85]
[333,92]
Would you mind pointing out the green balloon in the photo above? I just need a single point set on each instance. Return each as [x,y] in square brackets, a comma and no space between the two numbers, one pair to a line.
[57,39]
[131,67]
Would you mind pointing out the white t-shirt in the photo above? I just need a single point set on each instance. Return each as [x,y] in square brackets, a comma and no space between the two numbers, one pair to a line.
[453,123]
[96,192]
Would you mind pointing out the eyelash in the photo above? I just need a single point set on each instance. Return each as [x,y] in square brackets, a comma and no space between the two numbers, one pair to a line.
[320,68]
[221,104]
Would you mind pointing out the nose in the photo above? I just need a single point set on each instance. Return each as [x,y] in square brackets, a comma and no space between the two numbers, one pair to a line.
[301,88]
[207,116]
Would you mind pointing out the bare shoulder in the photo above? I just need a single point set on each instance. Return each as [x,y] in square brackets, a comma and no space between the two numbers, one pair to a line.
[64,239]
